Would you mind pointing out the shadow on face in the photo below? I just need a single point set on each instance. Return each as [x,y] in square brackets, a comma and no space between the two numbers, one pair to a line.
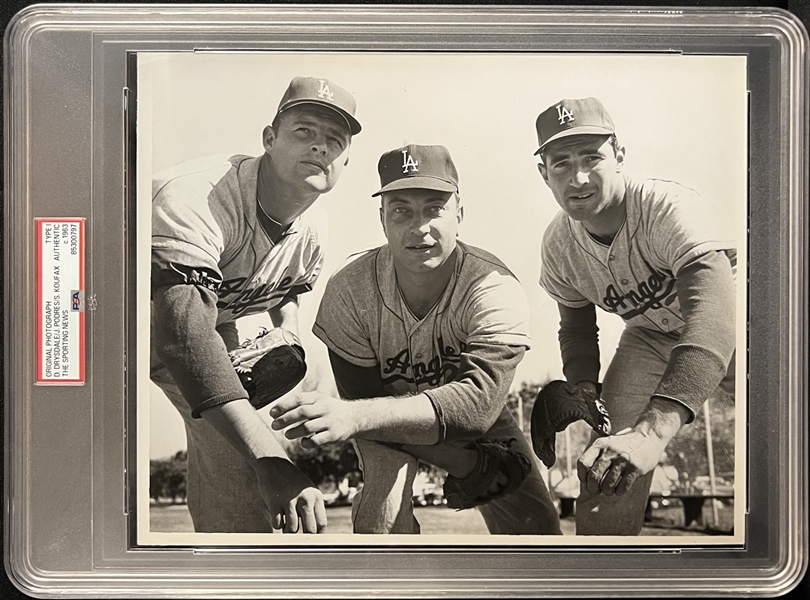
[421,226]
[308,146]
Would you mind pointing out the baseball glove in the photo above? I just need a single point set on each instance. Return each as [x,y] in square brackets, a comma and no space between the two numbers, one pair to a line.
[269,365]
[494,457]
[557,406]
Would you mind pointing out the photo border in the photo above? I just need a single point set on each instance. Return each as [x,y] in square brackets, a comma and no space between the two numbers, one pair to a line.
[151,125]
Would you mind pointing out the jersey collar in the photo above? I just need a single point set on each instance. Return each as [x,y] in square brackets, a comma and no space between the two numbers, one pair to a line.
[248,174]
[389,289]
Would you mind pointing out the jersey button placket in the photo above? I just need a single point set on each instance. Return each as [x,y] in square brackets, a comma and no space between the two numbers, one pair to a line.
[411,358]
[610,264]
[424,353]
[415,357]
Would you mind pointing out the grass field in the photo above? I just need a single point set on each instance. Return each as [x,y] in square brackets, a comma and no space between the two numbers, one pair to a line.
[175,518]
[434,520]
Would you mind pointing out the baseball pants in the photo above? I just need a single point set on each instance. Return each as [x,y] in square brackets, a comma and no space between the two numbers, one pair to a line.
[222,488]
[632,377]
[385,504]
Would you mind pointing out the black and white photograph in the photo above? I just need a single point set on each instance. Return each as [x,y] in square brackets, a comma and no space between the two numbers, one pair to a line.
[451,298]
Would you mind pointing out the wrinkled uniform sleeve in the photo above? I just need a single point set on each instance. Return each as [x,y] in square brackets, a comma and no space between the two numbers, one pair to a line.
[339,325]
[496,319]
[552,278]
[188,239]
[187,229]
[700,359]
[683,227]
[689,236]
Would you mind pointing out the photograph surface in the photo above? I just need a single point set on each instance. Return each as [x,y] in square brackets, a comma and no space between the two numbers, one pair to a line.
[452,298]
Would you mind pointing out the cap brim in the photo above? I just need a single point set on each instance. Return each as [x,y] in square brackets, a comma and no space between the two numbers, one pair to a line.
[354,125]
[421,183]
[584,130]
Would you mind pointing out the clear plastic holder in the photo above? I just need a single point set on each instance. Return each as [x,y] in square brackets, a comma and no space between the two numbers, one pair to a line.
[71,506]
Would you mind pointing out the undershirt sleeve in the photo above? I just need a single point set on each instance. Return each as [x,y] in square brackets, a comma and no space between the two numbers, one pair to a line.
[469,406]
[355,382]
[579,343]
[700,360]
[187,342]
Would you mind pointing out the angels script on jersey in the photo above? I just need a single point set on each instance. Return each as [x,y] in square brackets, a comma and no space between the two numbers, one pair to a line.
[438,370]
[655,292]
[251,300]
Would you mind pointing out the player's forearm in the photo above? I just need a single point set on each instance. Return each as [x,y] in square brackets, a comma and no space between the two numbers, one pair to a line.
[469,406]
[187,342]
[579,344]
[462,409]
[240,424]
[409,420]
[196,357]
[662,419]
[285,314]
[355,382]
[381,418]
[700,360]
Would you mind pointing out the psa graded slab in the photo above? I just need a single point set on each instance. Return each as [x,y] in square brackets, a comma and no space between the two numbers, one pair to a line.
[411,302]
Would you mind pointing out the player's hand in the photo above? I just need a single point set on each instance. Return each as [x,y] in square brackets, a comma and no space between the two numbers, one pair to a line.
[292,502]
[317,418]
[611,465]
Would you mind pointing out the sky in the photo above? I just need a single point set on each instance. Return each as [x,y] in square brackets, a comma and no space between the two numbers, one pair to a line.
[681,118]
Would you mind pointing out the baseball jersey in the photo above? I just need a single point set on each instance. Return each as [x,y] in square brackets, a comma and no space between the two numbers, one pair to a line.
[667,226]
[364,318]
[204,214]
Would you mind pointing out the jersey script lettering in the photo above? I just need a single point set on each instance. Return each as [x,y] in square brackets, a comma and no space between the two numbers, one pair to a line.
[654,293]
[436,371]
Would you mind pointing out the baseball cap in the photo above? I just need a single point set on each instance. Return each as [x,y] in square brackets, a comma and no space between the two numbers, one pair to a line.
[311,90]
[422,167]
[572,117]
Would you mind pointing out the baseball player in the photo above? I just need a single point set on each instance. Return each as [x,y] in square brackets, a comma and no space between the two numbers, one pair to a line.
[424,335]
[646,250]
[233,236]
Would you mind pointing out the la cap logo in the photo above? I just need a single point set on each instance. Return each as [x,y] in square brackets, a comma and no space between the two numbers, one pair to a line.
[408,162]
[563,113]
[325,92]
